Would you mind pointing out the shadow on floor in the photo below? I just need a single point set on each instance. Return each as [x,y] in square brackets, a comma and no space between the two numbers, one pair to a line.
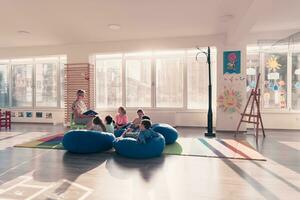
[69,167]
[123,168]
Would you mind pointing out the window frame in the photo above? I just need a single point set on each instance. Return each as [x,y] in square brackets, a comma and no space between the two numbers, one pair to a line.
[152,56]
[124,75]
[109,57]
[281,49]
[60,60]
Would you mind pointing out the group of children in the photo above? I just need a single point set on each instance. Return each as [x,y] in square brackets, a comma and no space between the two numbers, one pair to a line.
[139,128]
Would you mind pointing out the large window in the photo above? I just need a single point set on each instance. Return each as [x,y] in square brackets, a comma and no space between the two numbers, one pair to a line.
[21,85]
[275,93]
[253,63]
[46,84]
[138,80]
[4,89]
[32,82]
[155,79]
[197,79]
[296,81]
[169,79]
[108,81]
[61,74]
[280,71]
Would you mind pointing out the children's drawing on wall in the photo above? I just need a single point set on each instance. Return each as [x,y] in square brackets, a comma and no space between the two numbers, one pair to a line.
[29,114]
[232,62]
[282,99]
[297,72]
[252,84]
[272,64]
[297,85]
[251,78]
[275,86]
[48,115]
[230,101]
[267,97]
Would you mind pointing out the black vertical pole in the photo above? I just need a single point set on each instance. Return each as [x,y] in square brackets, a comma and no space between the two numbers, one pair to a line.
[209,132]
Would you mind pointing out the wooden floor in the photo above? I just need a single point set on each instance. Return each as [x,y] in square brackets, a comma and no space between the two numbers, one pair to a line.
[55,174]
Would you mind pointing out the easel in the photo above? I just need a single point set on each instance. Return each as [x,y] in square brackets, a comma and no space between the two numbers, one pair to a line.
[255,105]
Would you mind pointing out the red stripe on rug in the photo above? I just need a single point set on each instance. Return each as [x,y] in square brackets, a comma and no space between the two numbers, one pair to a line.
[233,149]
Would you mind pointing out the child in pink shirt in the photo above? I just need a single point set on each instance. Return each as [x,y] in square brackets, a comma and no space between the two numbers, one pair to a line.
[121,118]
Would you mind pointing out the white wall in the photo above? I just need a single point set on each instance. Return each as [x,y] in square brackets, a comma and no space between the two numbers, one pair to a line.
[80,53]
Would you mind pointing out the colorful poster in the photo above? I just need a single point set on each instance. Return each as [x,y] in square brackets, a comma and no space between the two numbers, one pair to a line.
[231,62]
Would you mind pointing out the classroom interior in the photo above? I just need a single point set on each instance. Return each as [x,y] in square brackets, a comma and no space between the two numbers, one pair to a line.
[161,57]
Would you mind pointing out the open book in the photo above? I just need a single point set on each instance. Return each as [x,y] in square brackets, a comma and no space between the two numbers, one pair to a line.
[90,112]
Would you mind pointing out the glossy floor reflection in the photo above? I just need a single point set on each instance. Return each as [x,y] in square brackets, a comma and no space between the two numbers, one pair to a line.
[56,174]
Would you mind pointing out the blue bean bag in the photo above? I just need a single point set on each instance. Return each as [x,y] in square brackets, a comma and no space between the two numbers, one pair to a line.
[170,134]
[129,147]
[87,141]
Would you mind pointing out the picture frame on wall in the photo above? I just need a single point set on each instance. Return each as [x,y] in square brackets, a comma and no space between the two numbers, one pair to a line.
[20,114]
[29,114]
[48,115]
[39,114]
[231,62]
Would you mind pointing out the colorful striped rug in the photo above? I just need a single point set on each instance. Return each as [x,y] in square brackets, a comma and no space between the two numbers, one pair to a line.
[48,142]
[215,147]
[202,147]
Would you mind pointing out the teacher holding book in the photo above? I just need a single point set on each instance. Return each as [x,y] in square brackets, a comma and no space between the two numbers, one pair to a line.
[81,114]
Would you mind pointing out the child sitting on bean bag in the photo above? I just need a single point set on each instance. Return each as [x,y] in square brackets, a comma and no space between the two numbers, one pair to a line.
[136,122]
[109,124]
[121,118]
[98,125]
[144,134]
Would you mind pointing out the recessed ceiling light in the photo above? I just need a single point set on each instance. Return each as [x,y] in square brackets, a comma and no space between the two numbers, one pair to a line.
[226,18]
[23,32]
[114,26]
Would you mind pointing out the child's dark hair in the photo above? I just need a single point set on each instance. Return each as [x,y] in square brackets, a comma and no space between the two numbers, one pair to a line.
[146,117]
[80,92]
[108,119]
[147,123]
[97,120]
[139,111]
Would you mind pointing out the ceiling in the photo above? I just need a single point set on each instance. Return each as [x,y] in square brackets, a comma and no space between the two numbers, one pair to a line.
[53,22]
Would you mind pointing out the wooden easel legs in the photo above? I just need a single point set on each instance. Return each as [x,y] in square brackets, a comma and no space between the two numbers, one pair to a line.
[257,119]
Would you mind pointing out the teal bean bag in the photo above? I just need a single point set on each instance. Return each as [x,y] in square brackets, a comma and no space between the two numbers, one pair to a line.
[170,134]
[129,147]
[87,141]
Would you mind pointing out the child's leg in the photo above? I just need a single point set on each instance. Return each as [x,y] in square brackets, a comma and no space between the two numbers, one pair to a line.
[132,135]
